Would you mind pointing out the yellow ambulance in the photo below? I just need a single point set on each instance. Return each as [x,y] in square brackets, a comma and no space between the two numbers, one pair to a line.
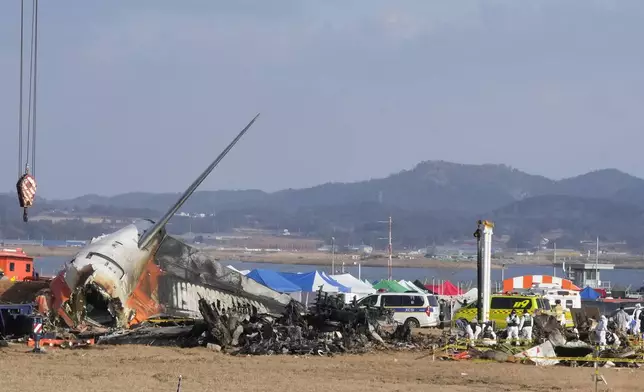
[502,304]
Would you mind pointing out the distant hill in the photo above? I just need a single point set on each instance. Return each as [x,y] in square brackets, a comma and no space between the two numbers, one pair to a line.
[607,183]
[578,217]
[434,201]
[431,185]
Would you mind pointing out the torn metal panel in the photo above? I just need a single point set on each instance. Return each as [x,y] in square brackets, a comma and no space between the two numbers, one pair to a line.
[182,336]
[538,354]
[184,262]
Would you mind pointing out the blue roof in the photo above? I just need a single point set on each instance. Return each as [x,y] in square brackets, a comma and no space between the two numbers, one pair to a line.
[589,293]
[273,280]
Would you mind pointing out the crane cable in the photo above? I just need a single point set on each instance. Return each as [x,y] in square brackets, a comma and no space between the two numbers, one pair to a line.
[26,185]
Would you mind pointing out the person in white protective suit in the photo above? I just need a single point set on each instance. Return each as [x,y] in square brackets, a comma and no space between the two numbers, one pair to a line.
[600,330]
[513,327]
[473,330]
[622,320]
[488,337]
[613,339]
[636,323]
[525,326]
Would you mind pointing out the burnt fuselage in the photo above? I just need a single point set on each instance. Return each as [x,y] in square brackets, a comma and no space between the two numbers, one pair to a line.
[138,272]
[113,283]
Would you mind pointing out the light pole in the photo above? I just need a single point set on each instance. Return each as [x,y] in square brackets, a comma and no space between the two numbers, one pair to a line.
[332,255]
[359,269]
[389,250]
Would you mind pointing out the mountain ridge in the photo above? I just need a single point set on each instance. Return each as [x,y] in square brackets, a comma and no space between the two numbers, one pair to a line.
[428,185]
[433,202]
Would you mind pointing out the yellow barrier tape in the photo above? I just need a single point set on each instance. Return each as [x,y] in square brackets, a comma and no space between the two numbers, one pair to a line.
[168,320]
[577,359]
[584,359]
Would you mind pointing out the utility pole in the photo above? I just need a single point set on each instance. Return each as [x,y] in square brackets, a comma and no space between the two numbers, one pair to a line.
[597,264]
[554,262]
[390,252]
[332,255]
[390,249]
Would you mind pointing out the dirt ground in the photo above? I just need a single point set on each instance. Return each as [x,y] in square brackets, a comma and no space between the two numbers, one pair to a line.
[142,368]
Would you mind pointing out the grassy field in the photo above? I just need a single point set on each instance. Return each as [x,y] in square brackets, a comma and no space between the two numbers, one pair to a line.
[322,258]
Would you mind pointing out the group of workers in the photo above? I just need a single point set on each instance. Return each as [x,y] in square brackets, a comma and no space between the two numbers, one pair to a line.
[517,326]
[624,324]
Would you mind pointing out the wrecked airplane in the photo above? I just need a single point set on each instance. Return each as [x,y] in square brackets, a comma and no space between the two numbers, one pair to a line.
[140,272]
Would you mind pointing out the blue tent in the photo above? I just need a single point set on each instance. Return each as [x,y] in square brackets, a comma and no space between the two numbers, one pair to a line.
[273,280]
[311,281]
[588,294]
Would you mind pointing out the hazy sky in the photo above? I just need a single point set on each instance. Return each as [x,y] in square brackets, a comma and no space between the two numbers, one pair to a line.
[142,95]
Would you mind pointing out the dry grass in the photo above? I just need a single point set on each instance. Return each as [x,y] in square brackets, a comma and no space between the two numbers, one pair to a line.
[324,259]
[141,368]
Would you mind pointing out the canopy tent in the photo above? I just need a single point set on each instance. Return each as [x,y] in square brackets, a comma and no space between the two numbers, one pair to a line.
[355,284]
[419,284]
[390,285]
[411,287]
[273,280]
[243,272]
[471,295]
[333,281]
[589,294]
[311,281]
[447,288]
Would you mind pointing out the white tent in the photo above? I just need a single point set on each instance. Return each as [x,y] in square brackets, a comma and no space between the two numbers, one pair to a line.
[410,286]
[243,272]
[310,283]
[471,295]
[358,288]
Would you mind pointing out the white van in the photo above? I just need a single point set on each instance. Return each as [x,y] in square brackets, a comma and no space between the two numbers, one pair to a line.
[570,299]
[414,309]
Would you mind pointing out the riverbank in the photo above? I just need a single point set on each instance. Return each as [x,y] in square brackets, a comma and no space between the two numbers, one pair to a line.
[293,258]
[324,259]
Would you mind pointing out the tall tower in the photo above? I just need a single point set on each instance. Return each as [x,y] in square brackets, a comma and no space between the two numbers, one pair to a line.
[389,263]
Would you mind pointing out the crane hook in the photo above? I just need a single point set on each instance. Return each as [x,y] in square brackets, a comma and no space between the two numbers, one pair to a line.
[26,187]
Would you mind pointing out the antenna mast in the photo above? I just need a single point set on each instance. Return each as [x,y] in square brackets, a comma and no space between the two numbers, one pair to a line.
[554,262]
[389,263]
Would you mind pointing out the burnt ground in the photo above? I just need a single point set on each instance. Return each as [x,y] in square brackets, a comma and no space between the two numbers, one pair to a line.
[143,368]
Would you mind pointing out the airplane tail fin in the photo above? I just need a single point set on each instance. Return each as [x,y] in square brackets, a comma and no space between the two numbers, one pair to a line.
[160,224]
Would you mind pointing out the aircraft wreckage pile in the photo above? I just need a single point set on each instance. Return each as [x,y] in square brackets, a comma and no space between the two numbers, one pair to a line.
[328,327]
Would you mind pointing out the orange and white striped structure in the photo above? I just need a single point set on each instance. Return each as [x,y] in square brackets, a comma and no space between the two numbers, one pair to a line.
[527,282]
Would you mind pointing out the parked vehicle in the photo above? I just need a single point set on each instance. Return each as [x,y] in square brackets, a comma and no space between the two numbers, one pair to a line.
[413,309]
[502,304]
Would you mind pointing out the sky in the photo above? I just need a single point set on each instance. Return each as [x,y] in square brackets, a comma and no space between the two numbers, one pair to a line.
[143,95]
